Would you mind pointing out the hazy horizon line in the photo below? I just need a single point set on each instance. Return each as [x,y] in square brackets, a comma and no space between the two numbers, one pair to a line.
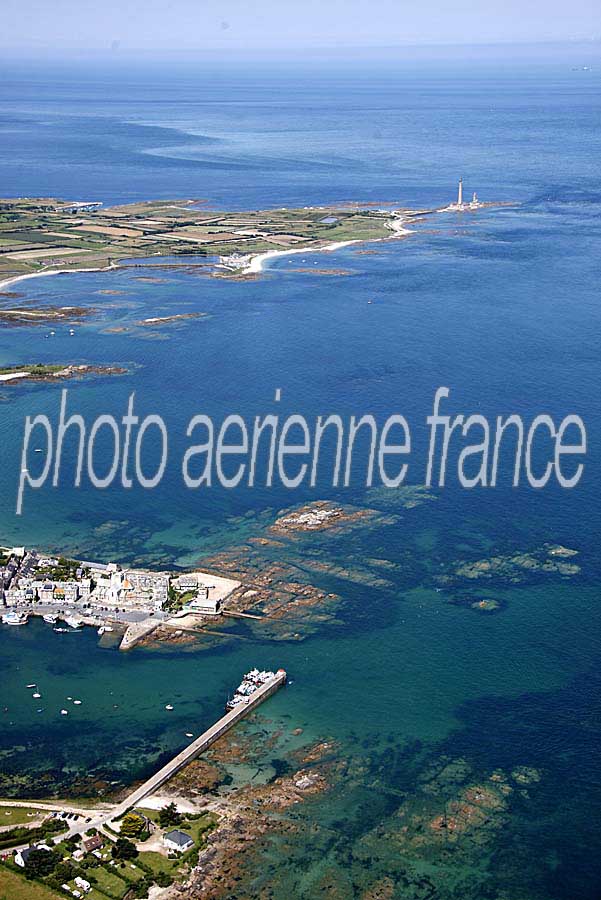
[118,53]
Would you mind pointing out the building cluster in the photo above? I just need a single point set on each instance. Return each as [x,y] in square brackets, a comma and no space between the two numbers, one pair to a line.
[173,842]
[202,600]
[27,577]
[128,588]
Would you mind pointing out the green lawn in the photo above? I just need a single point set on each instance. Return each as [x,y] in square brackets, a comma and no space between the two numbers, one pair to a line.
[158,863]
[152,814]
[17,815]
[15,887]
[197,829]
[109,882]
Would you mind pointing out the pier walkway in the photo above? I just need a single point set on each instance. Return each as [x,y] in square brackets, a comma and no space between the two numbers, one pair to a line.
[198,746]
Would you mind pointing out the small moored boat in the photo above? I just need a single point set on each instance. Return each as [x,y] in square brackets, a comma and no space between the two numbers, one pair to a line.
[15,618]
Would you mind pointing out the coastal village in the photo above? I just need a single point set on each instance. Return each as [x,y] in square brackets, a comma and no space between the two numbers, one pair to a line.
[135,603]
[141,840]
[69,594]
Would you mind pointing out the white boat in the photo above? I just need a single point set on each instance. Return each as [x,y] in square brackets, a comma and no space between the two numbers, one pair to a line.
[36,695]
[31,685]
[235,701]
[77,703]
[169,706]
[15,618]
[61,630]
[101,630]
[64,712]
[74,622]
[251,682]
[51,618]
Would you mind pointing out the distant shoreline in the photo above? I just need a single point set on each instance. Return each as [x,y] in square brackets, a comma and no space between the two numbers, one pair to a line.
[396,224]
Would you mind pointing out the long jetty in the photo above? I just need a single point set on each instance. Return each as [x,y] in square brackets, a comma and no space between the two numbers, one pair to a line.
[199,745]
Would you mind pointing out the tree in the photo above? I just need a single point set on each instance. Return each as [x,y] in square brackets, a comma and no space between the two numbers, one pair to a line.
[169,816]
[124,849]
[142,888]
[41,862]
[65,871]
[133,825]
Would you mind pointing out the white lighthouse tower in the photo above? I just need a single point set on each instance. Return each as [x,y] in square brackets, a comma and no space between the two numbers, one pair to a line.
[461,205]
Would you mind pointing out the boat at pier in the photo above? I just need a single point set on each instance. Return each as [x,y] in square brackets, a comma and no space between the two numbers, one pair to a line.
[251,682]
[15,618]
[74,622]
[50,618]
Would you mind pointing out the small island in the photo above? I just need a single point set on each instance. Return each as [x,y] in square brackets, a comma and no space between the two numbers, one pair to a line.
[169,320]
[53,372]
[42,315]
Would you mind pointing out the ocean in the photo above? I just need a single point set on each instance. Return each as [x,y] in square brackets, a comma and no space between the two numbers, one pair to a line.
[427,698]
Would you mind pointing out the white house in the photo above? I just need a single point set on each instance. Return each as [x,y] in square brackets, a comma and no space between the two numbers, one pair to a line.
[178,841]
[186,582]
[204,604]
[46,592]
[21,856]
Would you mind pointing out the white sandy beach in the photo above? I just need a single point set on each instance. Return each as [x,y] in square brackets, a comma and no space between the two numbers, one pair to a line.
[8,282]
[10,376]
[395,224]
[257,262]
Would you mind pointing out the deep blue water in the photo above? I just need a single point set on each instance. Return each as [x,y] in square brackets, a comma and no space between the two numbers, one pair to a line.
[502,307]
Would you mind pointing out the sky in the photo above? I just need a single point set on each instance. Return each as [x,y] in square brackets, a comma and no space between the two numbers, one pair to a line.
[164,27]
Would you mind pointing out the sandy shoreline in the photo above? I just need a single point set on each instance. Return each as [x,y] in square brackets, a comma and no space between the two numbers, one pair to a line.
[256,264]
[396,225]
[16,278]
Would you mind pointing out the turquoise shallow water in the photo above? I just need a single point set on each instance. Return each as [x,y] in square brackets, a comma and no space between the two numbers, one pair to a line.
[501,307]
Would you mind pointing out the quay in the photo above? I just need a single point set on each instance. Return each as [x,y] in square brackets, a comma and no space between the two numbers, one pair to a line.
[195,748]
[242,615]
